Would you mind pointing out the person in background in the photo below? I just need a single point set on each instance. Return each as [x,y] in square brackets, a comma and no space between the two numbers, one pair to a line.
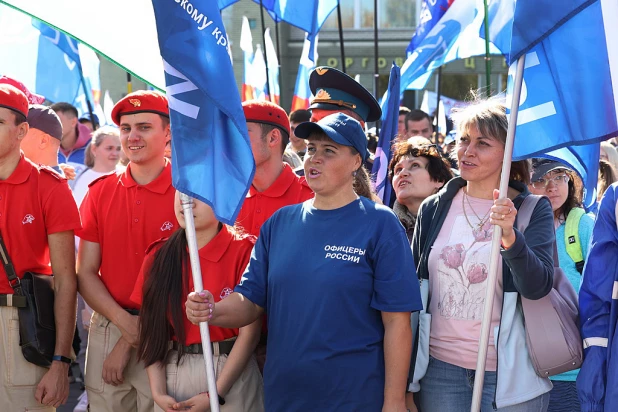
[39,217]
[339,323]
[418,123]
[573,231]
[416,172]
[42,142]
[75,137]
[176,369]
[401,122]
[102,157]
[451,247]
[607,176]
[274,185]
[372,141]
[89,123]
[297,145]
[596,382]
[610,154]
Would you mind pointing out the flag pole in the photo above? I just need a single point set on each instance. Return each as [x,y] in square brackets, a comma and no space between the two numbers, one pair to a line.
[278,56]
[341,48]
[265,53]
[477,393]
[187,206]
[129,85]
[487,57]
[376,74]
[437,112]
[95,124]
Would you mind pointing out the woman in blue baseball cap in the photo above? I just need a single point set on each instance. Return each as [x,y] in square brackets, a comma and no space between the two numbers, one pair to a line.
[339,321]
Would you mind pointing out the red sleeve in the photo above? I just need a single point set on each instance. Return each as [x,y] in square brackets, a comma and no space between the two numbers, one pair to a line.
[60,209]
[88,211]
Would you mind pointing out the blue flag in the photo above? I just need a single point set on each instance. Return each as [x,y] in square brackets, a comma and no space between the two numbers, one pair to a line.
[431,12]
[307,15]
[568,102]
[225,3]
[388,133]
[455,36]
[211,152]
[63,41]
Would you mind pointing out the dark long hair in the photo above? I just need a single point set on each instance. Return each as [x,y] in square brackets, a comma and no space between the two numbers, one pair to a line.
[574,196]
[164,290]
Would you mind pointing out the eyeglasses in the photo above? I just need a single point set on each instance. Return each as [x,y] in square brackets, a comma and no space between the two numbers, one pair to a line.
[558,180]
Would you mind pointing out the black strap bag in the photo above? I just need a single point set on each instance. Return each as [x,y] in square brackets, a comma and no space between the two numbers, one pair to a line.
[34,299]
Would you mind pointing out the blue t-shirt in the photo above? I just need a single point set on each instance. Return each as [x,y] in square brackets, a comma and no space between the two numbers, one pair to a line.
[586,223]
[324,277]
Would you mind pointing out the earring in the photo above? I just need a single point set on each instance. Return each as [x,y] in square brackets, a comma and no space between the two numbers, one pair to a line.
[354,173]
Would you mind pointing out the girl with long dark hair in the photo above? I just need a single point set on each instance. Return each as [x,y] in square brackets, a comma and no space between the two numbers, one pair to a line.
[170,346]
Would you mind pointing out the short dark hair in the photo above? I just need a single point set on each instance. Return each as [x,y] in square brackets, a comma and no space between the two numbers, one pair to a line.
[300,116]
[438,167]
[19,118]
[403,110]
[416,116]
[285,137]
[164,120]
[64,107]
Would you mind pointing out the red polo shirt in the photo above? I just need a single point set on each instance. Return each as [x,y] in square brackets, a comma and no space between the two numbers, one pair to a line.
[34,202]
[124,218]
[288,189]
[223,261]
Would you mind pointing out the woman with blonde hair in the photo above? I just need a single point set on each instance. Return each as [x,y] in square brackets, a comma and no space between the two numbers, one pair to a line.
[452,247]
[609,154]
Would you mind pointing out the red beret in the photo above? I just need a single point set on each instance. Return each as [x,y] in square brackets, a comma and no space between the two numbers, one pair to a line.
[141,101]
[14,99]
[262,111]
[32,97]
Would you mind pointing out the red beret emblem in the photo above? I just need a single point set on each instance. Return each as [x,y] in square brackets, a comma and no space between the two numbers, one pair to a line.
[135,102]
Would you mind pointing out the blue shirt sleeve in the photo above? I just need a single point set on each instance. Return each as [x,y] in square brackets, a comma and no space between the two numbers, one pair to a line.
[595,303]
[395,286]
[254,282]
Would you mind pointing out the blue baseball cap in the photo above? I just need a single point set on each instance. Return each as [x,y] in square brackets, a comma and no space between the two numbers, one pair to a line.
[340,128]
[335,90]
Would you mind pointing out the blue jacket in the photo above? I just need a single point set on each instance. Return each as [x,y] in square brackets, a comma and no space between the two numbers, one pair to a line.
[597,383]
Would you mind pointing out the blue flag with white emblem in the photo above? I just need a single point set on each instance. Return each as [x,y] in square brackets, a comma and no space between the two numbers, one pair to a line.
[570,91]
[388,134]
[454,36]
[211,152]
[431,12]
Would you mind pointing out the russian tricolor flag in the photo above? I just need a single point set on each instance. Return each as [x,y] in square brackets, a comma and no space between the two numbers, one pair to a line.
[302,93]
[246,45]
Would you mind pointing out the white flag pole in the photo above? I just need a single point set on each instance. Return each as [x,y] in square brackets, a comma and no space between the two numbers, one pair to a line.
[187,206]
[479,377]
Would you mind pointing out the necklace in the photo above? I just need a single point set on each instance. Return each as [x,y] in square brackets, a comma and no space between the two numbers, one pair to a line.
[482,220]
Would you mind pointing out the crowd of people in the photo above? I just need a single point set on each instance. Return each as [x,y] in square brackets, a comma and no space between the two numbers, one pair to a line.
[320,297]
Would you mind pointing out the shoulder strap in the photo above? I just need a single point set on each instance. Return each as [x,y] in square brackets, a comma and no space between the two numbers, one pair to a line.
[524,214]
[9,269]
[571,237]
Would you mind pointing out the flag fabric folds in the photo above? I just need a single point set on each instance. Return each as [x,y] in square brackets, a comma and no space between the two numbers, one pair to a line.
[570,94]
[302,92]
[431,12]
[273,68]
[455,36]
[307,15]
[211,153]
[388,133]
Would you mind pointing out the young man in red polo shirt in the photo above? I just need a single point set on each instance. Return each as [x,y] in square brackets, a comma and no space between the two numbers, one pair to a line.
[38,217]
[122,214]
[275,184]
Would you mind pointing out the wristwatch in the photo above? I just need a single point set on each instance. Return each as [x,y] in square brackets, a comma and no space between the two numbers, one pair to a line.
[62,359]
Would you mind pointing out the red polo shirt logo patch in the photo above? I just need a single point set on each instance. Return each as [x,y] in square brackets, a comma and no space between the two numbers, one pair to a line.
[27,219]
[167,226]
